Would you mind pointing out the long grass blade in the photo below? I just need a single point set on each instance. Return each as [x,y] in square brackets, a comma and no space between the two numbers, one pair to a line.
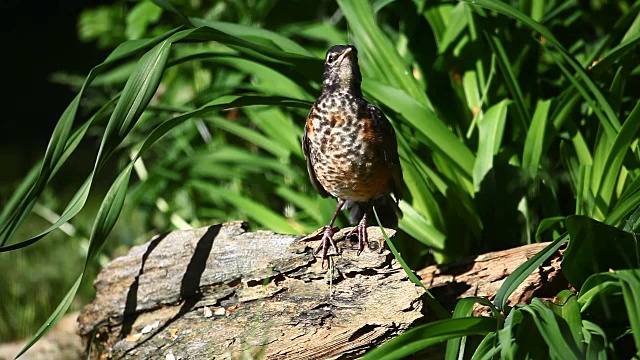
[517,276]
[427,335]
[135,97]
[510,79]
[560,344]
[105,220]
[630,283]
[609,120]
[439,137]
[258,212]
[379,51]
[432,302]
[534,143]
[620,147]
[490,131]
[53,319]
[464,309]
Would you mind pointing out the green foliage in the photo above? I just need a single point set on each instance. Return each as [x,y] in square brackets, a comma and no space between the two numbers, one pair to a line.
[515,121]
[587,253]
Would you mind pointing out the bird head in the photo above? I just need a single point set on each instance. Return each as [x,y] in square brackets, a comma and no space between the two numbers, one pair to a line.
[341,70]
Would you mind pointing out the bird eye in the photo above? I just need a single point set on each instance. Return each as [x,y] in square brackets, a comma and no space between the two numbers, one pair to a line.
[330,58]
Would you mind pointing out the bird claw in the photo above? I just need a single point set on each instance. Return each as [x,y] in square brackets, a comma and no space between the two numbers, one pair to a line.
[327,239]
[363,237]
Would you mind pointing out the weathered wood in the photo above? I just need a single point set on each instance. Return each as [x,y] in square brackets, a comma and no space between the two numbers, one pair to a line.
[220,291]
[483,275]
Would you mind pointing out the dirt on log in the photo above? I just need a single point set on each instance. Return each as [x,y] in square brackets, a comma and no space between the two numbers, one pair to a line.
[222,292]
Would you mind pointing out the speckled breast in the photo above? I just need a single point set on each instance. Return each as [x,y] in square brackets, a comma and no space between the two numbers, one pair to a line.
[346,149]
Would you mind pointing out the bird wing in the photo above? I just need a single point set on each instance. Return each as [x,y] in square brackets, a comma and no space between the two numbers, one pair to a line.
[391,148]
[308,129]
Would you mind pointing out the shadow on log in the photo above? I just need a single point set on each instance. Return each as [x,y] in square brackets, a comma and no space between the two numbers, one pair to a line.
[221,292]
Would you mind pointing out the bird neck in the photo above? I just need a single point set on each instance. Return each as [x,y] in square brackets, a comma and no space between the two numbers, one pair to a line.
[346,81]
[348,87]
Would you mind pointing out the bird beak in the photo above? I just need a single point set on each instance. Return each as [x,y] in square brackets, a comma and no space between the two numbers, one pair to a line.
[344,55]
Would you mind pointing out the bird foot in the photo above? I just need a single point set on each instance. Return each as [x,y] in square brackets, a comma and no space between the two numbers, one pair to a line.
[363,237]
[325,242]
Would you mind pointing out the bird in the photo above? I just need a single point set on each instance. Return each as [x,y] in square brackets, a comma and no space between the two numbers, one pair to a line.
[351,150]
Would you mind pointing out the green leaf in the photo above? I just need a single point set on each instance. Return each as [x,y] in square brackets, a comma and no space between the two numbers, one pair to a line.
[323,31]
[439,137]
[464,309]
[561,344]
[73,208]
[597,292]
[424,336]
[379,52]
[630,283]
[510,78]
[611,298]
[546,224]
[263,36]
[506,343]
[523,271]
[569,310]
[105,220]
[109,212]
[621,145]
[609,120]
[595,247]
[459,21]
[269,144]
[55,316]
[490,130]
[18,212]
[627,203]
[585,202]
[277,124]
[486,350]
[136,95]
[596,340]
[534,144]
[258,212]
[432,303]
[140,17]
[414,224]
[263,52]
[307,204]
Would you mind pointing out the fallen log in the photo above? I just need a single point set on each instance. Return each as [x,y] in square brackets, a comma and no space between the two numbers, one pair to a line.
[222,292]
[484,274]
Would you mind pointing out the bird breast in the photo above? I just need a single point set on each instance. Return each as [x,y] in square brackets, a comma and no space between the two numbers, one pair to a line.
[347,151]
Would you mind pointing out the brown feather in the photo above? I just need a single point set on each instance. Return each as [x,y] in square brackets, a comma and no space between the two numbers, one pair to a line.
[308,131]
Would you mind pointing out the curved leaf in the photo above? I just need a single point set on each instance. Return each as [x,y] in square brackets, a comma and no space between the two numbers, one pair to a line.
[427,335]
[523,271]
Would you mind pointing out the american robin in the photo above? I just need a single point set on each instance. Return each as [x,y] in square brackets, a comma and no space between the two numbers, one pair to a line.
[351,149]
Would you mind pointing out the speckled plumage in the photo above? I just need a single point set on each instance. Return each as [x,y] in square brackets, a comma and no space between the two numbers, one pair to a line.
[350,146]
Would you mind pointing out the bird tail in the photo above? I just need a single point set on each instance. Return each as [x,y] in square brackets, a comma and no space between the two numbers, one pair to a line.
[387,209]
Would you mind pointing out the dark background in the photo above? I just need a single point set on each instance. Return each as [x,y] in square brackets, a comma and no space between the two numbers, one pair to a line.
[39,38]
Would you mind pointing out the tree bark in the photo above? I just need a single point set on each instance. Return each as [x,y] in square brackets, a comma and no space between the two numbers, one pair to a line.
[484,274]
[222,292]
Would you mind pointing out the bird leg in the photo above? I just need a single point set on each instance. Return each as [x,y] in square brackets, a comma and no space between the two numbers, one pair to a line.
[363,237]
[327,238]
